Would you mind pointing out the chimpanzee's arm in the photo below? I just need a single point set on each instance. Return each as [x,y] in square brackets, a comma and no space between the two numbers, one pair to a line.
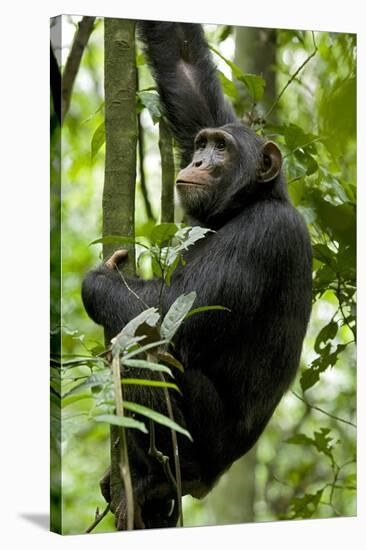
[112,300]
[189,88]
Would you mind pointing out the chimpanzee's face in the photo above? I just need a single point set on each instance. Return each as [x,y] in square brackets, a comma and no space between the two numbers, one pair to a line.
[215,153]
[225,161]
[213,168]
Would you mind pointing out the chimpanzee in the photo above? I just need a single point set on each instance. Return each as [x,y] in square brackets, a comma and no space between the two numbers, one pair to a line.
[257,263]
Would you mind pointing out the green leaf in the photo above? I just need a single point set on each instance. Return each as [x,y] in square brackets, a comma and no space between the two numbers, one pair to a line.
[206,308]
[346,263]
[69,426]
[296,138]
[96,379]
[167,256]
[195,234]
[176,314]
[157,417]
[338,114]
[254,84]
[324,254]
[74,398]
[322,442]
[237,72]
[307,161]
[306,506]
[144,349]
[123,421]
[338,221]
[123,342]
[151,101]
[228,87]
[150,316]
[309,378]
[156,268]
[98,140]
[296,190]
[80,361]
[325,360]
[91,117]
[168,358]
[169,271]
[324,277]
[163,232]
[308,213]
[141,364]
[152,383]
[327,333]
[225,31]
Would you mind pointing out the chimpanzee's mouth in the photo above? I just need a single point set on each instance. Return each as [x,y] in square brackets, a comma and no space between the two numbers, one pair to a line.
[192,183]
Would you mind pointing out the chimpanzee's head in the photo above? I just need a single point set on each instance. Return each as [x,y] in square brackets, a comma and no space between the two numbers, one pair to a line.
[231,165]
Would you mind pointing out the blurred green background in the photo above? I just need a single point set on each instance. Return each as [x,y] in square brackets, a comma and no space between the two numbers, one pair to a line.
[305,462]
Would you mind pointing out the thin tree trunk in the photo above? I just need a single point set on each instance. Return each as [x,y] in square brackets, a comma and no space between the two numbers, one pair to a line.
[232,501]
[141,148]
[167,172]
[120,167]
[255,52]
[81,38]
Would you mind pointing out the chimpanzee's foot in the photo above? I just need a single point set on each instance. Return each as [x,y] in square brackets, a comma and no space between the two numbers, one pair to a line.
[154,514]
[121,516]
[154,506]
[158,514]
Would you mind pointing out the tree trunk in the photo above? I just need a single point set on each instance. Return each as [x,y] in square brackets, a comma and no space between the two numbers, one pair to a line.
[255,52]
[120,166]
[167,172]
[232,501]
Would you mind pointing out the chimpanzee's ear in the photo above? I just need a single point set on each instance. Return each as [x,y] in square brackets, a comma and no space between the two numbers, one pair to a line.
[271,162]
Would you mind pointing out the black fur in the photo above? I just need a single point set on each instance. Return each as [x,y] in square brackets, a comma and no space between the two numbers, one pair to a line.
[257,263]
[192,98]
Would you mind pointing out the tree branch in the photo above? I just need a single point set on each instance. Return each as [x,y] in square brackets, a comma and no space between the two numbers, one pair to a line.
[167,173]
[292,78]
[98,518]
[123,458]
[73,62]
[141,146]
[178,477]
[323,411]
[144,191]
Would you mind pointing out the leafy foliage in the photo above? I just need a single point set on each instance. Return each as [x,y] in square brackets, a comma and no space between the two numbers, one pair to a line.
[301,471]
[130,347]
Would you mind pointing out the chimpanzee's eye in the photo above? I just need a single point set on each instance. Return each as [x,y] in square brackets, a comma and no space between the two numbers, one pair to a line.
[201,143]
[220,144]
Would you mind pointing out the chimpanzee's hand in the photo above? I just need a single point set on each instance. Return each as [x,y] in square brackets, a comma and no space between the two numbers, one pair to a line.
[117,257]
